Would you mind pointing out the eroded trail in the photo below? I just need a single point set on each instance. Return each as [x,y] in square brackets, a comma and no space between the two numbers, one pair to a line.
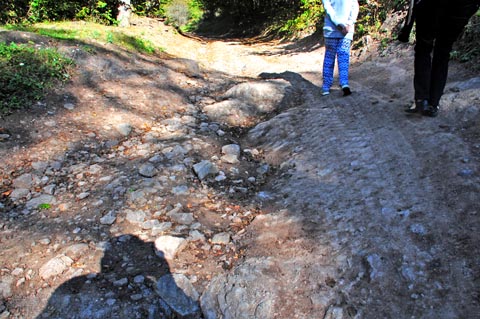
[361,212]
[379,216]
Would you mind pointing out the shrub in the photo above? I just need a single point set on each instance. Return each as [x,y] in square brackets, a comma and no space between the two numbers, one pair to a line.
[99,11]
[177,12]
[26,72]
[467,49]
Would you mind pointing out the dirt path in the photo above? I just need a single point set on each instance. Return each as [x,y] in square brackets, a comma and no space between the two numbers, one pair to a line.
[368,213]
[381,201]
[387,199]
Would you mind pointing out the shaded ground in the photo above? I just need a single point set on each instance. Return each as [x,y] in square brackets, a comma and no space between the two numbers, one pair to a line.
[363,212]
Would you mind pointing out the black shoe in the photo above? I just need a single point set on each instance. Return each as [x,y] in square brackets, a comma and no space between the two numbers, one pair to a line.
[430,110]
[346,91]
[420,105]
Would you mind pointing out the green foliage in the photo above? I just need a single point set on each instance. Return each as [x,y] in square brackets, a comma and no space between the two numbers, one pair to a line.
[312,12]
[70,31]
[44,206]
[15,11]
[467,49]
[195,15]
[26,72]
[41,10]
[132,43]
[98,12]
[155,8]
[58,33]
[183,14]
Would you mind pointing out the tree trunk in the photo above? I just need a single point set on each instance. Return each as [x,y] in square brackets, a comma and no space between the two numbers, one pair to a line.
[124,12]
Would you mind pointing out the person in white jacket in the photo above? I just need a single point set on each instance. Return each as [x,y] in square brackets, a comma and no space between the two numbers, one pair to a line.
[338,29]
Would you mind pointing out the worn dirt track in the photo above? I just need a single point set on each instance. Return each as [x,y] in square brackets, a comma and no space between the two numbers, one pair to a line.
[372,213]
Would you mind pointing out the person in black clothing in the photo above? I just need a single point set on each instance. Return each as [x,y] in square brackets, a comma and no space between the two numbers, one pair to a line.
[438,25]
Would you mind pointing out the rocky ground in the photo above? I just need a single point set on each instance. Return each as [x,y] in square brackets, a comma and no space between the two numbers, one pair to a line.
[214,181]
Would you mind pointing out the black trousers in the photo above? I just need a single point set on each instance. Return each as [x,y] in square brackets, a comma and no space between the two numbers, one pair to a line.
[438,25]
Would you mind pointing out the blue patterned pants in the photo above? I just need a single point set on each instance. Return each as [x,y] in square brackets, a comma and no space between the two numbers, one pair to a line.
[336,48]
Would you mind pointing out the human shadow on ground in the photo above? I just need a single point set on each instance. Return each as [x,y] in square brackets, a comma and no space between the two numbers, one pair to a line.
[134,282]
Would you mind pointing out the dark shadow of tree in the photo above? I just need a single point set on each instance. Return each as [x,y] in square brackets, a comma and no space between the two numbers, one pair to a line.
[134,282]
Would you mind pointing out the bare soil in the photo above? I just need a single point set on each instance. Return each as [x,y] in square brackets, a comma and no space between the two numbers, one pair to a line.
[381,209]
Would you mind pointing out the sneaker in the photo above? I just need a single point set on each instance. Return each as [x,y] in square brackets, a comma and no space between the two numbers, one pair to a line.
[325,93]
[418,107]
[346,90]
[430,110]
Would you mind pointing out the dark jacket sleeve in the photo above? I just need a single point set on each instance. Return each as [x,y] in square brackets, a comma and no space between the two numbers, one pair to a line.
[404,33]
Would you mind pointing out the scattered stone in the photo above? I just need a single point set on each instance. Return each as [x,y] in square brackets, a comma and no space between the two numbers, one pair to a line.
[263,169]
[136,297]
[195,235]
[26,181]
[45,241]
[155,159]
[230,158]
[42,199]
[221,238]
[136,217]
[63,207]
[232,112]
[17,272]
[180,295]
[220,177]
[181,218]
[150,224]
[82,195]
[110,301]
[231,149]
[244,301]
[121,282]
[124,129]
[204,169]
[335,312]
[266,96]
[94,169]
[4,134]
[147,170]
[376,265]
[108,219]
[55,266]
[168,246]
[418,229]
[19,193]
[139,279]
[177,209]
[6,287]
[50,189]
[161,228]
[40,166]
[75,251]
[20,282]
[69,106]
[5,314]
[137,196]
[408,273]
[180,190]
